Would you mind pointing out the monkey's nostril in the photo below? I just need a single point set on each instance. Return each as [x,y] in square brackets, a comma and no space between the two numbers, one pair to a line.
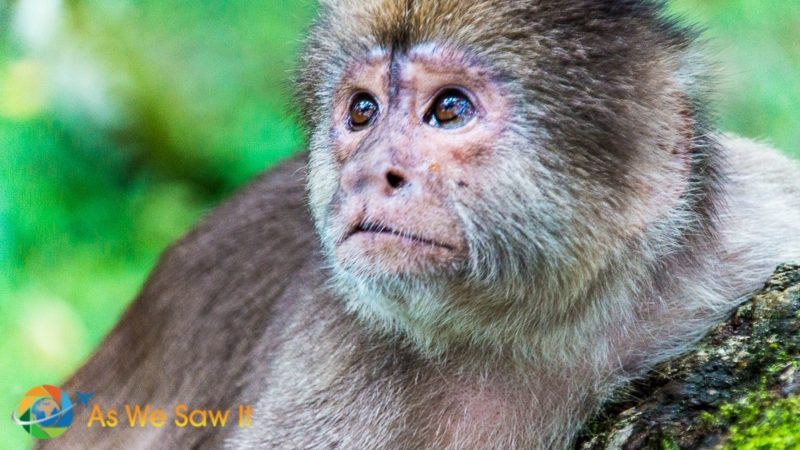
[395,180]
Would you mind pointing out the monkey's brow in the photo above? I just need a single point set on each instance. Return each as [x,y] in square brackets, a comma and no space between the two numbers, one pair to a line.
[394,76]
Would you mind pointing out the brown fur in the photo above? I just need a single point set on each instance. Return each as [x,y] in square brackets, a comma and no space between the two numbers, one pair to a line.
[606,227]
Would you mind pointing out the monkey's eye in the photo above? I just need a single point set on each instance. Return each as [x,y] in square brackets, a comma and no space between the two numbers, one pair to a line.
[363,109]
[451,109]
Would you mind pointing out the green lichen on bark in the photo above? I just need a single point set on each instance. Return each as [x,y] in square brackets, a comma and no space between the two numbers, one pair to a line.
[739,388]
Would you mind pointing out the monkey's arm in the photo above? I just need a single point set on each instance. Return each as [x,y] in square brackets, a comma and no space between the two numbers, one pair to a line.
[189,334]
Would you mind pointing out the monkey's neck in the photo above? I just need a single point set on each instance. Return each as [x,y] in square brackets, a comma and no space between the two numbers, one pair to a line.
[592,329]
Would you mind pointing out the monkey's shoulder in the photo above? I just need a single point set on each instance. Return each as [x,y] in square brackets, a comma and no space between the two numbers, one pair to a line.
[756,162]
[760,220]
[763,187]
[264,230]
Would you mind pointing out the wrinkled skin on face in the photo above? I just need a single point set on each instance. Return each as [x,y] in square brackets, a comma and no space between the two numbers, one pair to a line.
[404,176]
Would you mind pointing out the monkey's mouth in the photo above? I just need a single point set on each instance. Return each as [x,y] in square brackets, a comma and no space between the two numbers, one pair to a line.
[376,229]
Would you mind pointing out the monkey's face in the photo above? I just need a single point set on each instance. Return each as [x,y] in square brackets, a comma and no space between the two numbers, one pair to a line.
[412,138]
[438,176]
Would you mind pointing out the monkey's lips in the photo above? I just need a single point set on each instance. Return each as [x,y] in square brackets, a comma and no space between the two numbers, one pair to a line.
[368,228]
[373,247]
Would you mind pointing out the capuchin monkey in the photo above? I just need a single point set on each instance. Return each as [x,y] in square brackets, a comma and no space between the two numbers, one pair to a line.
[508,210]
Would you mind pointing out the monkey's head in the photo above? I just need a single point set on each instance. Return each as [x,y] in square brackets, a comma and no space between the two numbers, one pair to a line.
[479,168]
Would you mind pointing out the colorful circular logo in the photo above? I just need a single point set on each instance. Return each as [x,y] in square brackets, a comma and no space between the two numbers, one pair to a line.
[45,412]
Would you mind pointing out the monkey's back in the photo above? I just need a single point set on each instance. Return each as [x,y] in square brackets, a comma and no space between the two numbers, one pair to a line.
[190,335]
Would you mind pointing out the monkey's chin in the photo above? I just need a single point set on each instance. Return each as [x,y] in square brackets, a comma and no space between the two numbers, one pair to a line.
[377,253]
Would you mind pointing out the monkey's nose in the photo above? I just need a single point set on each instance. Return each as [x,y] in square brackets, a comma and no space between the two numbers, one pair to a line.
[395,179]
[381,179]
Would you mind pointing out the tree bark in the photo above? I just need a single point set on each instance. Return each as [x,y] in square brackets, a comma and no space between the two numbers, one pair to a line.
[738,388]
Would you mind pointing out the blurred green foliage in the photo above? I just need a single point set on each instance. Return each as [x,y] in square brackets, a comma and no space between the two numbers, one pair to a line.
[756,47]
[121,122]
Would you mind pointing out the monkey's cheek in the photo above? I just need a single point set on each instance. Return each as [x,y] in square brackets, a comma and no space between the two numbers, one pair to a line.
[380,254]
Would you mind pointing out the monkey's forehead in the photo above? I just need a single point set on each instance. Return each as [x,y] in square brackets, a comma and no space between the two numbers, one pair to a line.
[515,36]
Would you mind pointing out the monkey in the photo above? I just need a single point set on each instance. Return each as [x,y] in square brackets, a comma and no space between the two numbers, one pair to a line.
[508,211]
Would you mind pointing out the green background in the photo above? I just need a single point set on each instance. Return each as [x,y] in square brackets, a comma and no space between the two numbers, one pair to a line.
[122,122]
